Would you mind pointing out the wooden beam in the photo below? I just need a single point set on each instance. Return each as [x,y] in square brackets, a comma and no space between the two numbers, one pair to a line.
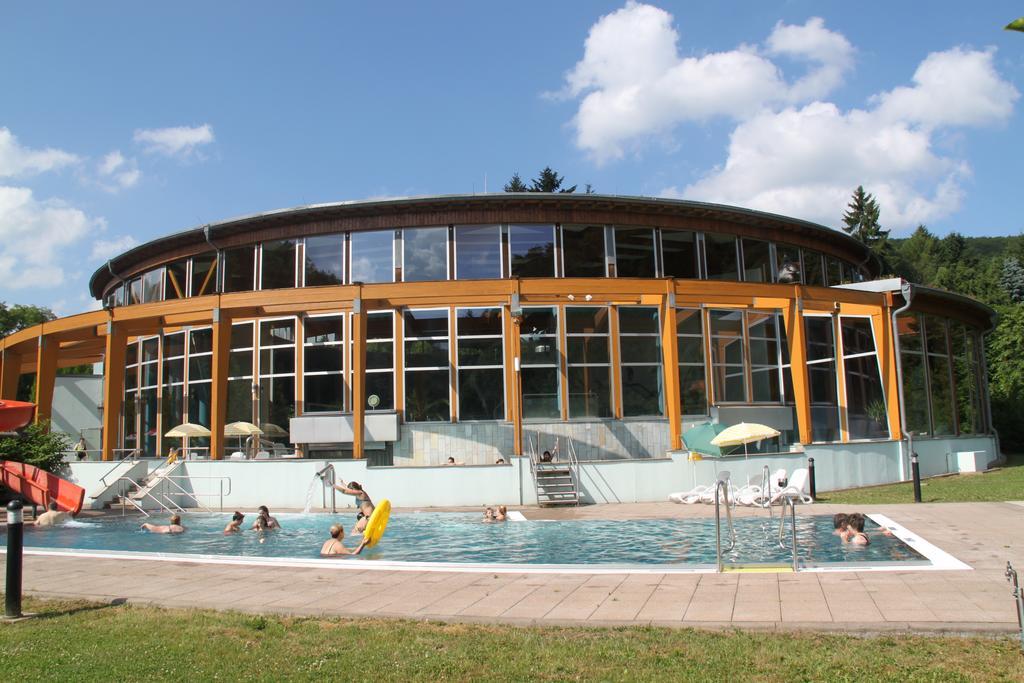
[46,375]
[513,387]
[616,362]
[219,385]
[359,380]
[670,367]
[792,318]
[113,387]
[882,324]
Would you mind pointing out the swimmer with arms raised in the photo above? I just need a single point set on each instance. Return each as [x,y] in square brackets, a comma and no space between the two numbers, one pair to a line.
[363,502]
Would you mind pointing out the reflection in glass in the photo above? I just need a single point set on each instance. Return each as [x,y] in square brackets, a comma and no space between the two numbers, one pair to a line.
[324,262]
[720,256]
[426,254]
[477,252]
[640,350]
[788,264]
[204,274]
[866,412]
[692,377]
[679,253]
[373,256]
[583,253]
[538,344]
[814,272]
[821,377]
[239,269]
[427,376]
[727,364]
[634,252]
[277,268]
[532,250]
[757,261]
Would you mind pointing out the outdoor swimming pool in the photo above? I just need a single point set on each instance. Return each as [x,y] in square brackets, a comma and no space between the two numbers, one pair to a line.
[463,538]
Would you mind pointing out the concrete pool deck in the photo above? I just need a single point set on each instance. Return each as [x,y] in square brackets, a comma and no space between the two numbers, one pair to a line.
[984,535]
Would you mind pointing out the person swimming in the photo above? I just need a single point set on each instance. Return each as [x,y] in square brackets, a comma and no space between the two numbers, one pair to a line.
[502,514]
[263,511]
[489,515]
[855,530]
[235,525]
[52,516]
[174,527]
[333,545]
[363,502]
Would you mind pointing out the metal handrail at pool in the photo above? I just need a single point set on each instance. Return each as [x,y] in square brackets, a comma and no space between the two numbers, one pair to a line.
[722,487]
[789,500]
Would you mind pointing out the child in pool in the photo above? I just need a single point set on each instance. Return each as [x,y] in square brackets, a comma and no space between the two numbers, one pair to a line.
[489,515]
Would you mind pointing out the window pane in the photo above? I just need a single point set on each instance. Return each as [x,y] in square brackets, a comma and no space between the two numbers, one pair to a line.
[814,274]
[379,355]
[427,396]
[426,323]
[322,330]
[477,252]
[679,253]
[539,321]
[942,394]
[765,385]
[835,271]
[866,412]
[788,263]
[277,404]
[373,256]
[199,403]
[908,326]
[240,364]
[588,350]
[277,332]
[583,250]
[728,367]
[478,321]
[639,320]
[720,255]
[642,390]
[241,336]
[915,393]
[324,358]
[200,368]
[173,409]
[691,350]
[537,350]
[640,349]
[589,391]
[147,420]
[541,398]
[174,371]
[634,252]
[150,349]
[533,250]
[481,394]
[277,361]
[151,285]
[135,291]
[965,371]
[688,321]
[586,320]
[381,385]
[480,352]
[200,341]
[278,266]
[323,393]
[324,262]
[693,390]
[239,269]
[204,274]
[239,403]
[379,325]
[426,254]
[424,353]
[935,334]
[857,336]
[757,262]
[820,343]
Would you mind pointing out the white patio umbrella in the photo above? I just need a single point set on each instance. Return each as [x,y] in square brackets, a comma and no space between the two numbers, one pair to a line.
[188,429]
[241,429]
[743,433]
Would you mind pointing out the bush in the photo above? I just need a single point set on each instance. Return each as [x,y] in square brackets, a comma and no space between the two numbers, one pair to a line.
[36,445]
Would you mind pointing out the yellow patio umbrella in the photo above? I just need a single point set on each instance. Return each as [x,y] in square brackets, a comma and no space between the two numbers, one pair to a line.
[273,431]
[743,433]
[188,429]
[241,429]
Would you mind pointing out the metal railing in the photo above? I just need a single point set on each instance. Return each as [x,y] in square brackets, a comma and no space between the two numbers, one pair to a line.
[193,495]
[722,485]
[788,500]
[132,454]
[1018,598]
[126,498]
[766,489]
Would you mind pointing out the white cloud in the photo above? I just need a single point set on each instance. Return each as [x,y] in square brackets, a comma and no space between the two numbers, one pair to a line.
[791,151]
[16,160]
[105,249]
[180,142]
[32,235]
[117,173]
[634,83]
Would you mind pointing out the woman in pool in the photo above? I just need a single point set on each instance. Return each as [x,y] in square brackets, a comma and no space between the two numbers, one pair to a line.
[855,530]
[264,512]
[363,502]
[174,527]
[235,525]
[333,546]
[502,515]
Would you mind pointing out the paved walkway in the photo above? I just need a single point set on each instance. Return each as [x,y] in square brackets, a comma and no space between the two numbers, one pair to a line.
[984,535]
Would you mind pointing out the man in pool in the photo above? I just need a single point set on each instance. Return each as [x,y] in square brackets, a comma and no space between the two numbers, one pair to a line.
[52,516]
[855,530]
[235,525]
[272,523]
[363,502]
[333,546]
[174,527]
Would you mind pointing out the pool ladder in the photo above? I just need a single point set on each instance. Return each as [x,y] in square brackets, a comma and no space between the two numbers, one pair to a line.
[722,486]
[790,501]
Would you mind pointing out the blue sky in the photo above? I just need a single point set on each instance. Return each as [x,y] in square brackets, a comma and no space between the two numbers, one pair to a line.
[120,123]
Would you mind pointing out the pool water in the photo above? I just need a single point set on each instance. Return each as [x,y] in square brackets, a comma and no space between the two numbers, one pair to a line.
[463,537]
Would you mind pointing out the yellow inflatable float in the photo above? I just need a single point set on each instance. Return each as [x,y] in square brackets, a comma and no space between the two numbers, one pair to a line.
[378,523]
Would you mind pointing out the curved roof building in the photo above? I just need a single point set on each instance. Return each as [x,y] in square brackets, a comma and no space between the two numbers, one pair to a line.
[486,326]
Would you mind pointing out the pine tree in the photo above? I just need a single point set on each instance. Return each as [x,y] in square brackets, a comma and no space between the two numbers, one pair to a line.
[549,181]
[862,219]
[516,184]
[1011,279]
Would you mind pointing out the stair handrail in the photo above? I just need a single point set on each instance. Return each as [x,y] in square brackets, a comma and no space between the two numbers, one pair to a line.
[790,500]
[722,486]
[132,453]
[164,504]
[766,489]
[168,478]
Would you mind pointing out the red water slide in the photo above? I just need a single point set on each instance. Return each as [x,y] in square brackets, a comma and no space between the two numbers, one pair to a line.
[40,486]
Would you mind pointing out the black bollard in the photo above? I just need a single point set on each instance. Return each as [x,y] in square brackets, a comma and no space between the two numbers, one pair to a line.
[915,472]
[15,531]
[810,477]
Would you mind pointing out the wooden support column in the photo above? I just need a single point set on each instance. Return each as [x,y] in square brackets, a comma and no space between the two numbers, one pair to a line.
[616,361]
[670,368]
[359,375]
[513,386]
[10,372]
[882,324]
[219,385]
[46,376]
[113,387]
[793,319]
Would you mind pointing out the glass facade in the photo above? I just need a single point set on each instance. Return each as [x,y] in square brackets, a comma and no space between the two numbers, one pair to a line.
[373,256]
[583,251]
[867,415]
[477,252]
[821,378]
[540,354]
[693,393]
[276,378]
[642,380]
[588,361]
[380,361]
[481,364]
[323,361]
[426,254]
[324,260]
[634,252]
[427,365]
[728,366]
[532,250]
[277,264]
[679,254]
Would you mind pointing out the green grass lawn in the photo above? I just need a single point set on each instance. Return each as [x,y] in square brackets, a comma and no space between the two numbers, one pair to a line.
[79,641]
[1006,483]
